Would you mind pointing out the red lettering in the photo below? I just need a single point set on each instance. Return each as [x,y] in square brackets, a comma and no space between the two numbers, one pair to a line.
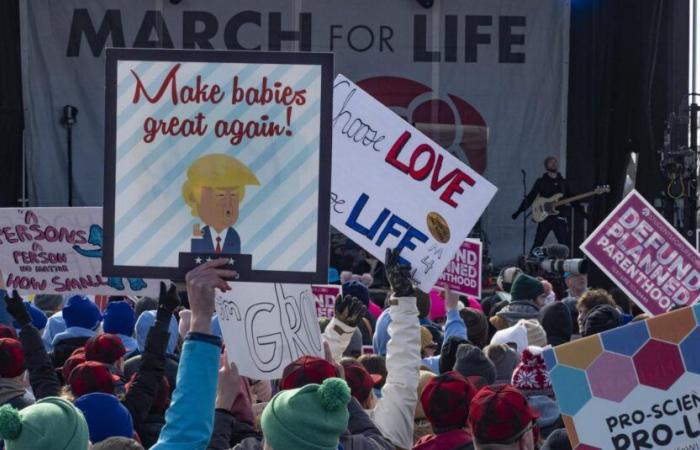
[393,154]
[422,174]
[169,80]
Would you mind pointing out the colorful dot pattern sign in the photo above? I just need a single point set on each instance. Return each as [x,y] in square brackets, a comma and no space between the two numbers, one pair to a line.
[634,387]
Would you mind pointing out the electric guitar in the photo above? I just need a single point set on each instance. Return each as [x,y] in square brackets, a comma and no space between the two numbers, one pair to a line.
[544,207]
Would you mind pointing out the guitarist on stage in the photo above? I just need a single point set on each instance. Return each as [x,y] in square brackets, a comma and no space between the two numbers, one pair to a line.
[547,185]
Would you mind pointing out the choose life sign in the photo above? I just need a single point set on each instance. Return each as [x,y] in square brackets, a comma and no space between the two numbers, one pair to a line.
[463,273]
[392,187]
[645,256]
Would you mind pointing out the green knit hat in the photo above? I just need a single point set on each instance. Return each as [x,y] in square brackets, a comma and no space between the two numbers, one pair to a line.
[526,287]
[50,423]
[312,417]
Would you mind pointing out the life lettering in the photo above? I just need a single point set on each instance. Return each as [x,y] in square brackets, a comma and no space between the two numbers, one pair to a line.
[421,168]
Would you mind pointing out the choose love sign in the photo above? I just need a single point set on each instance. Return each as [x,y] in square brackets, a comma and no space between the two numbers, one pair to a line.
[646,256]
[392,187]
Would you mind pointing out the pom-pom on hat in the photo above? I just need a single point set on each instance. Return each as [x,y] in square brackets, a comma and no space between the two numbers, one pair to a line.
[324,418]
[51,423]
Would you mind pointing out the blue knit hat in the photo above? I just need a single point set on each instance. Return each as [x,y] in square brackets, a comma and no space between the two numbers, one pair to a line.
[38,317]
[106,416]
[79,311]
[357,289]
[119,318]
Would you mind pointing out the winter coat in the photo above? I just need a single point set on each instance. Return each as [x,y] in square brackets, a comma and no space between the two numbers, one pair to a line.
[451,440]
[189,421]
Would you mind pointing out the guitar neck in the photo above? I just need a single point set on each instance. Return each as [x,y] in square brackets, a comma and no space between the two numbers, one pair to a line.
[575,198]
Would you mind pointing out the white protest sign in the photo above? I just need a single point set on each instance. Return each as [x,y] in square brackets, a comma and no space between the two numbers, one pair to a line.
[57,251]
[266,326]
[392,187]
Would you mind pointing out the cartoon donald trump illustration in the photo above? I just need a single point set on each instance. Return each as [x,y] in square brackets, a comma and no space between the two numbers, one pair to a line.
[214,190]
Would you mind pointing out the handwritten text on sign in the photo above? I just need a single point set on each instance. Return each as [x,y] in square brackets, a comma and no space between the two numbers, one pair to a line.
[59,250]
[392,187]
[173,90]
[463,273]
[646,256]
[266,326]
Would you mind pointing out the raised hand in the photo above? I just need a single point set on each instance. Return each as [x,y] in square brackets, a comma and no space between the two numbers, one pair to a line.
[398,274]
[349,310]
[17,309]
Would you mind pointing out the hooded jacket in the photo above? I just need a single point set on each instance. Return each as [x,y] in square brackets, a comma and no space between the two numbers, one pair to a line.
[556,321]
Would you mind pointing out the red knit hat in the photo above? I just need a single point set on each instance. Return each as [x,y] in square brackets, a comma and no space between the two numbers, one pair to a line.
[531,376]
[7,332]
[11,358]
[446,400]
[306,370]
[360,381]
[106,348]
[71,363]
[500,414]
[92,376]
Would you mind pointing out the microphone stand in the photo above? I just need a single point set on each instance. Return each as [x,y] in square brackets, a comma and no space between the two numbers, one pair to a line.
[522,171]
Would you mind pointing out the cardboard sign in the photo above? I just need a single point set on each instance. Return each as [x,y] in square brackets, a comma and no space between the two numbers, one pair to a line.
[634,387]
[463,273]
[59,251]
[395,188]
[645,256]
[218,153]
[266,326]
[325,296]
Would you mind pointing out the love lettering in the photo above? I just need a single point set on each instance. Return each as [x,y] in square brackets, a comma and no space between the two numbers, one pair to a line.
[425,162]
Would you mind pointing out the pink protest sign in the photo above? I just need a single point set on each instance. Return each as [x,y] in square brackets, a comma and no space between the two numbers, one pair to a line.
[463,273]
[645,256]
[325,299]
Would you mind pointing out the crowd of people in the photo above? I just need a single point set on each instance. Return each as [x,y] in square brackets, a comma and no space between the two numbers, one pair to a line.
[154,374]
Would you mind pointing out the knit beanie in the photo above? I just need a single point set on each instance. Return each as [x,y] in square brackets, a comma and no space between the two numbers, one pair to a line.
[448,354]
[424,377]
[357,289]
[79,311]
[117,443]
[119,318]
[517,335]
[52,423]
[531,376]
[446,400]
[325,416]
[477,326]
[70,364]
[504,358]
[38,317]
[557,323]
[499,414]
[535,333]
[471,362]
[601,318]
[426,338]
[11,358]
[92,376]
[105,416]
[526,287]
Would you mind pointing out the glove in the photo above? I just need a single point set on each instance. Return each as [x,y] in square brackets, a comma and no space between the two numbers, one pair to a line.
[349,310]
[398,274]
[515,215]
[168,301]
[17,309]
